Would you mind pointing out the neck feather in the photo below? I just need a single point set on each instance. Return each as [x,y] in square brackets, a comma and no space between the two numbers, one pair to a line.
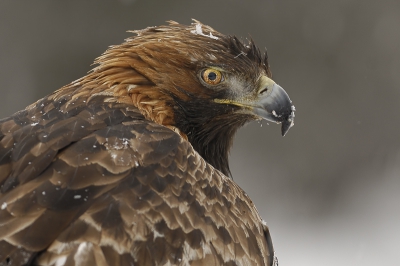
[210,130]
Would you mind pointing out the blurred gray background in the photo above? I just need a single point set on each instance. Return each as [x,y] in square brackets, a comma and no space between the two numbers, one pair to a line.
[330,189]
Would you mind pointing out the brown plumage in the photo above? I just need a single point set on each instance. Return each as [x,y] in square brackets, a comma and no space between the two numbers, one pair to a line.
[129,164]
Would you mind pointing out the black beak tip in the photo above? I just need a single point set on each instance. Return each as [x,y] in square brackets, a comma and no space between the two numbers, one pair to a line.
[286,125]
[288,122]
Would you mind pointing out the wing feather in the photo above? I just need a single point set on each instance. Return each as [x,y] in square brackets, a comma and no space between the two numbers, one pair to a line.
[98,184]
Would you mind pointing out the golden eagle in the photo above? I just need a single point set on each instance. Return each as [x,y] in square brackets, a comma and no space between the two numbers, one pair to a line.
[128,165]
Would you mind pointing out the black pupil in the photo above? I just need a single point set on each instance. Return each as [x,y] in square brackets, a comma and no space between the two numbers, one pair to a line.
[212,76]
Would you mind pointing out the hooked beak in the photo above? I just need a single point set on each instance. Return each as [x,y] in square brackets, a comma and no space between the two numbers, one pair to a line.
[274,104]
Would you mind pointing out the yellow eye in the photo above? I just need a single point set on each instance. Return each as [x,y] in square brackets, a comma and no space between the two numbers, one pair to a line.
[212,76]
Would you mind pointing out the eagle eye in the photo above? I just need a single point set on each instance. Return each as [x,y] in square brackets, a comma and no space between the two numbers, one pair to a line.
[212,76]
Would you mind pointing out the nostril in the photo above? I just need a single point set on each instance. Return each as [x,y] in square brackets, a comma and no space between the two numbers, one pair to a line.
[263,91]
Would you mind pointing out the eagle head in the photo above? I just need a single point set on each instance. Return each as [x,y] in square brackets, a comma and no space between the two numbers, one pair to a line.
[197,81]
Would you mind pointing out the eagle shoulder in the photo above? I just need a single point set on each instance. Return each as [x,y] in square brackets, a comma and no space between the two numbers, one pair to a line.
[110,187]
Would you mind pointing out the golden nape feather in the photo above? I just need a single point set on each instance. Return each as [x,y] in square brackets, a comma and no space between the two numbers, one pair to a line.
[128,165]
